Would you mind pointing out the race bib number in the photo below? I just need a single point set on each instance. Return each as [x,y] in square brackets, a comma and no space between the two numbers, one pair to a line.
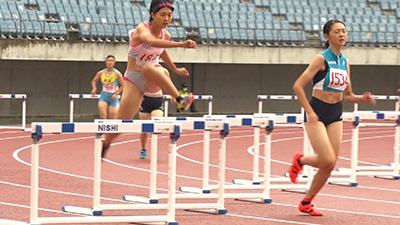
[108,88]
[338,79]
[148,58]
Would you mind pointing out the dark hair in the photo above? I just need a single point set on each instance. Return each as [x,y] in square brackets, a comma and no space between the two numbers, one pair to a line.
[156,5]
[110,56]
[327,28]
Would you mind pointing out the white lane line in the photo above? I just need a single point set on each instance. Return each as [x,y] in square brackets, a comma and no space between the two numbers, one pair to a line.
[344,211]
[12,132]
[183,157]
[269,219]
[41,209]
[359,199]
[277,203]
[59,192]
[379,189]
[11,138]
[15,155]
[250,149]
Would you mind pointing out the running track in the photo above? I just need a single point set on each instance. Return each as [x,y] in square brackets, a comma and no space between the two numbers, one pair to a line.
[66,162]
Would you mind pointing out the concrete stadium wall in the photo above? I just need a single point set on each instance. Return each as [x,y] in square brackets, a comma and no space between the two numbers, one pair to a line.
[49,71]
[234,86]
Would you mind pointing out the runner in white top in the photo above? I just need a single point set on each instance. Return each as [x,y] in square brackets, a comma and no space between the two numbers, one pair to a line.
[143,74]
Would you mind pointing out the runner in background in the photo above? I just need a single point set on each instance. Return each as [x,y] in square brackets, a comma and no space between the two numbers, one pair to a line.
[113,84]
[184,92]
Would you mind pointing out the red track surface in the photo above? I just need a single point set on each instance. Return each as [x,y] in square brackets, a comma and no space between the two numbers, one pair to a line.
[62,156]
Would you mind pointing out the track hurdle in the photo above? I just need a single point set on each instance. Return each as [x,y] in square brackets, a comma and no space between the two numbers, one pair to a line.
[260,99]
[188,123]
[196,97]
[38,129]
[307,149]
[294,120]
[394,98]
[72,97]
[257,124]
[23,98]
[391,171]
[264,196]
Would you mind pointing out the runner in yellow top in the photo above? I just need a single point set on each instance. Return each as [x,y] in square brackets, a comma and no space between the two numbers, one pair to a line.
[113,84]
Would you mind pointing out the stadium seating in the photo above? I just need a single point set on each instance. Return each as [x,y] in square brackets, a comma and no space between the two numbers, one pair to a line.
[261,22]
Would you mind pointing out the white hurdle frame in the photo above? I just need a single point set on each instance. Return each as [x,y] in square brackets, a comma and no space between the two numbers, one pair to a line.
[78,96]
[130,127]
[279,120]
[189,123]
[260,98]
[307,148]
[206,188]
[391,171]
[257,124]
[394,98]
[16,96]
[196,97]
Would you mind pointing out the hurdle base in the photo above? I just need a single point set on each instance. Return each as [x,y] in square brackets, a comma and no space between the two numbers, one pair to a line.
[138,199]
[221,211]
[82,211]
[388,177]
[194,190]
[299,176]
[267,200]
[245,182]
[262,200]
[348,184]
[104,219]
[12,222]
[299,191]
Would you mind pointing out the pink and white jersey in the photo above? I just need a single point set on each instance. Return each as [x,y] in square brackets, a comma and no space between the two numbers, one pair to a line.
[144,53]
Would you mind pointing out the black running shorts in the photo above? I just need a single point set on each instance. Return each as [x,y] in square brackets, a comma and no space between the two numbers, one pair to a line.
[327,113]
[150,104]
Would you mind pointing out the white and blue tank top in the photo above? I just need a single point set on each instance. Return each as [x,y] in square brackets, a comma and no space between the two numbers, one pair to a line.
[334,78]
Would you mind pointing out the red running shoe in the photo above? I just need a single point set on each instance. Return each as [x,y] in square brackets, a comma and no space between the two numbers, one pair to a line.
[309,209]
[187,101]
[296,167]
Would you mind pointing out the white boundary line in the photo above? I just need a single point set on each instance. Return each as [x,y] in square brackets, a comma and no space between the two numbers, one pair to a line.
[292,205]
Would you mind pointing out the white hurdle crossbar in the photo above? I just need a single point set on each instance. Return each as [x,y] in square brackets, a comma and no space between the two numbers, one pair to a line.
[23,98]
[296,120]
[78,96]
[392,170]
[394,98]
[196,97]
[257,124]
[192,123]
[260,99]
[129,127]
[285,120]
